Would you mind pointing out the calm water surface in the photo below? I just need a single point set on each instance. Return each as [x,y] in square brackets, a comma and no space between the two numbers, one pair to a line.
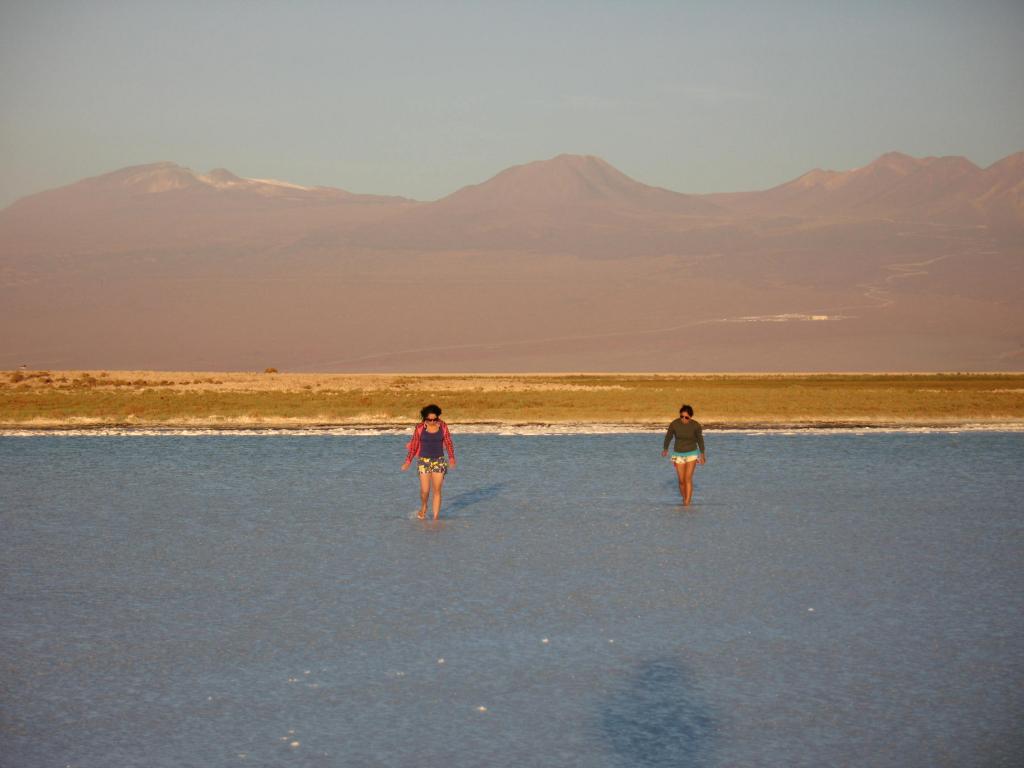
[230,601]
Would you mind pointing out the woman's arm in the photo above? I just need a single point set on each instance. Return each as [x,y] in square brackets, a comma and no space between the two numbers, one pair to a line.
[413,445]
[449,446]
[700,439]
[668,438]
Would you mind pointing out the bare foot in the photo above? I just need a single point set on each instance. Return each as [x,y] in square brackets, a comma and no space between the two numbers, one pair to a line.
[422,514]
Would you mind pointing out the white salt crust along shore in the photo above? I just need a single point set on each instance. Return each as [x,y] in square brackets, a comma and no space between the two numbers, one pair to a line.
[508,430]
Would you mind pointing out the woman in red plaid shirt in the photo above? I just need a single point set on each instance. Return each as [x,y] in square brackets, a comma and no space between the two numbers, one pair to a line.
[430,440]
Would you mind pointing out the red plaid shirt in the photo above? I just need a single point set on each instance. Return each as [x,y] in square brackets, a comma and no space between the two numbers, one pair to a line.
[414,444]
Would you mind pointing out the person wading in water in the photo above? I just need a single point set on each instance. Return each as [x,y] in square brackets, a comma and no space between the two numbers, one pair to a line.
[430,440]
[688,451]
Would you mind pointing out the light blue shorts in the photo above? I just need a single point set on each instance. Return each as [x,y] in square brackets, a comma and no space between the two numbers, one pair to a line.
[685,457]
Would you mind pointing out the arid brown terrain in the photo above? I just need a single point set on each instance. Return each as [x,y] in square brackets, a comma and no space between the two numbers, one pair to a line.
[62,399]
[906,264]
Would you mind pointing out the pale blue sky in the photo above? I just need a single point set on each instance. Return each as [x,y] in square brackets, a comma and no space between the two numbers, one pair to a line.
[421,98]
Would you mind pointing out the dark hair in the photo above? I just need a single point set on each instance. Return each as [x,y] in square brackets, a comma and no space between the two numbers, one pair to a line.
[430,409]
[688,409]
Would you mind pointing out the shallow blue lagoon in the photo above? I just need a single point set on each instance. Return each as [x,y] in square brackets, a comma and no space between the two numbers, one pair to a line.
[830,599]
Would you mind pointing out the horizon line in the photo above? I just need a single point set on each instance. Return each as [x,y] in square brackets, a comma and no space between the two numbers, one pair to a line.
[268,180]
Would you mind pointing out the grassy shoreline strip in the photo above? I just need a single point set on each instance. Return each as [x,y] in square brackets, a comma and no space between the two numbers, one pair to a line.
[566,428]
[53,398]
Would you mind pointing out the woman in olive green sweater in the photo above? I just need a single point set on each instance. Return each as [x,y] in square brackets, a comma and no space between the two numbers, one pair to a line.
[688,452]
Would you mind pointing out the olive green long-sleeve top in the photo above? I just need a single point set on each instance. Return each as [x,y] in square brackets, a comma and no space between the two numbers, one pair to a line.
[688,435]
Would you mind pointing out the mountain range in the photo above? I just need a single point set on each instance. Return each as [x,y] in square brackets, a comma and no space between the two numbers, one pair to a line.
[562,264]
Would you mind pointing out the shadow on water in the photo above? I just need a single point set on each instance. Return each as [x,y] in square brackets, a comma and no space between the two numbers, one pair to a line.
[658,718]
[469,498]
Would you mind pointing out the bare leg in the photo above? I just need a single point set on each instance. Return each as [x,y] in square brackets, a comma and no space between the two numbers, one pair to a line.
[681,475]
[688,481]
[437,481]
[424,490]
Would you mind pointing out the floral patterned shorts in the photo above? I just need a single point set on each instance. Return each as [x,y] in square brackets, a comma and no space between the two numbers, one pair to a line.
[426,465]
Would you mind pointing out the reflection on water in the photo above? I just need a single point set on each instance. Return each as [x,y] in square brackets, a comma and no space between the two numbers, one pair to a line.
[176,600]
[455,505]
[659,718]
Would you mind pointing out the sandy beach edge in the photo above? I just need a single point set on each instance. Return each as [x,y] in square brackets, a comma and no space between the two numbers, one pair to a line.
[355,428]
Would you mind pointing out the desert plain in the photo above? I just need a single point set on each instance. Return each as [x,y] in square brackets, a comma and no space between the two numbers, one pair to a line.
[226,400]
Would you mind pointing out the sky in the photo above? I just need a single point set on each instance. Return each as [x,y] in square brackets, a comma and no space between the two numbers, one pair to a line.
[421,98]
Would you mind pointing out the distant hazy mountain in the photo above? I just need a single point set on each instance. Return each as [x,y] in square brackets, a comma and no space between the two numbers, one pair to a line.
[569,204]
[164,205]
[897,186]
[569,181]
[567,263]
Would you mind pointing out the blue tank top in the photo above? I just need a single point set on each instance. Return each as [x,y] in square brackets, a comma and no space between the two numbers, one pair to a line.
[431,444]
